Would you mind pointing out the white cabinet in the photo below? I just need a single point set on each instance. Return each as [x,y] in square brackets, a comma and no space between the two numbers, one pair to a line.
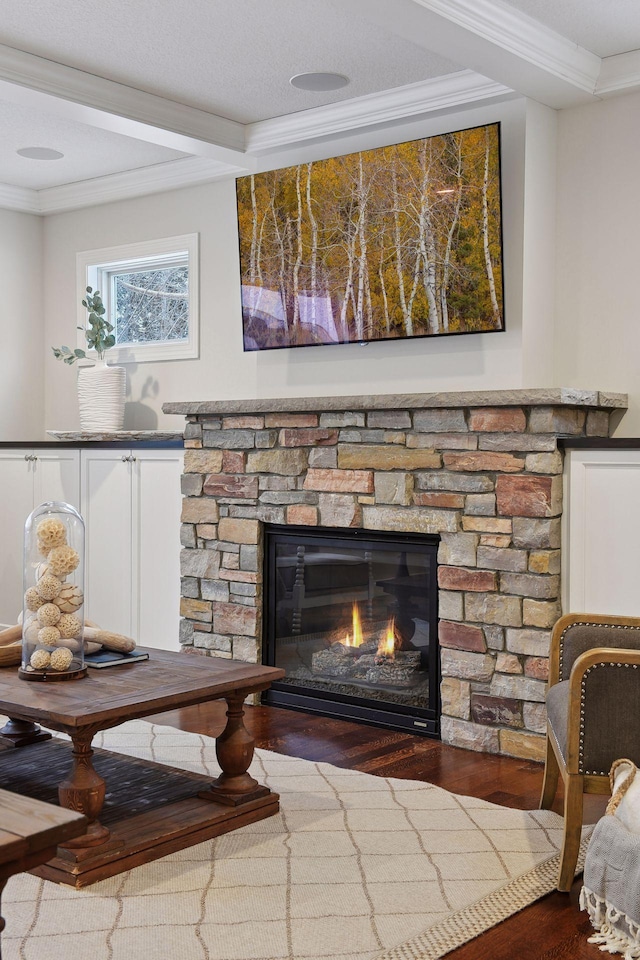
[601,534]
[28,477]
[130,501]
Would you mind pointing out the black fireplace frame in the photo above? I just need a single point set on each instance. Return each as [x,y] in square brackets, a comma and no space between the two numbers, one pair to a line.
[394,716]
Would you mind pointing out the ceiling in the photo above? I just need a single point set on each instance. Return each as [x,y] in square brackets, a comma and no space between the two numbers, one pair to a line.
[155,94]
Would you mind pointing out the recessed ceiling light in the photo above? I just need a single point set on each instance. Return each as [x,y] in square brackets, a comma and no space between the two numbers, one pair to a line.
[319,81]
[39,153]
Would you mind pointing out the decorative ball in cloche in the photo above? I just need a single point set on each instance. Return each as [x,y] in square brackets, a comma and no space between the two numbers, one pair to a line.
[53,588]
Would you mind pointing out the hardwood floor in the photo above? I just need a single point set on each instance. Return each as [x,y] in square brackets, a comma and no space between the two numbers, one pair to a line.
[551,929]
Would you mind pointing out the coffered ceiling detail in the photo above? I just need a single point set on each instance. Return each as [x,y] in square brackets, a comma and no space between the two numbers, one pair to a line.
[142,97]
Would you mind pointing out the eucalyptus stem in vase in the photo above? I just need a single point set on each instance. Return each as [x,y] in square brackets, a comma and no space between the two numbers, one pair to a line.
[98,332]
[101,388]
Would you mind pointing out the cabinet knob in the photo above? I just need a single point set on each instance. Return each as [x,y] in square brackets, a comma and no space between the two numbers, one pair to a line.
[133,459]
[125,459]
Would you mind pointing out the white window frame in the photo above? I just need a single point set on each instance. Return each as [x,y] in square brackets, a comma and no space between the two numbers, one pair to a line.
[92,269]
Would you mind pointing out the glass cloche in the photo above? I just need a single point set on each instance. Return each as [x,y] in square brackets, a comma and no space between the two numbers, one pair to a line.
[53,605]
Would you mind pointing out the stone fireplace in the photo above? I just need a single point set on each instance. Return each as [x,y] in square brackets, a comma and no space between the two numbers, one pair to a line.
[480,470]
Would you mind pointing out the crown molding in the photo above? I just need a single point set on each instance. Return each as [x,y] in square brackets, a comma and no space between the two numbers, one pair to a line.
[438,95]
[135,183]
[506,27]
[119,108]
[22,199]
[117,186]
[619,74]
[448,93]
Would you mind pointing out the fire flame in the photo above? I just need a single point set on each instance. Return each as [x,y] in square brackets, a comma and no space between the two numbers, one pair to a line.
[387,647]
[356,639]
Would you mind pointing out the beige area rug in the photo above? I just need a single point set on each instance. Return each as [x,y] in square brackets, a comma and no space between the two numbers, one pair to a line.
[355,867]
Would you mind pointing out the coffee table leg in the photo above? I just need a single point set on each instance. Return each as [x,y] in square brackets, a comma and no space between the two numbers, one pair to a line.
[84,791]
[20,733]
[234,750]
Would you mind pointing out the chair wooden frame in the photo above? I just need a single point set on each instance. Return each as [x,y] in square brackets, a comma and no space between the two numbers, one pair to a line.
[576,782]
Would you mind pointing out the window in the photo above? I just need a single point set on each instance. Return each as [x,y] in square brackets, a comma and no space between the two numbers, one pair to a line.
[150,293]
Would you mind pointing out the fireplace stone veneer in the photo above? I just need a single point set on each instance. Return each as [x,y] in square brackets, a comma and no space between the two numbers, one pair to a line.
[482,470]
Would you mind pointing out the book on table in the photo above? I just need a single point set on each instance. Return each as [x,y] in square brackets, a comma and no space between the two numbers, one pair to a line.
[111,658]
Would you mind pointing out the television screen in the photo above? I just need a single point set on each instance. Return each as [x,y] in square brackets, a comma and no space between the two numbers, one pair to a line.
[392,243]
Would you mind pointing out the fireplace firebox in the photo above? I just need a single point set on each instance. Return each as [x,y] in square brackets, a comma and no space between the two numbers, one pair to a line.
[351,615]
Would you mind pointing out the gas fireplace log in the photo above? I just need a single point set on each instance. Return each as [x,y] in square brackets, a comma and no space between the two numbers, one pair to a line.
[333,662]
[342,662]
[401,671]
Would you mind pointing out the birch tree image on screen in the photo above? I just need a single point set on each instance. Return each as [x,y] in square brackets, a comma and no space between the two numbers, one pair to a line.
[401,241]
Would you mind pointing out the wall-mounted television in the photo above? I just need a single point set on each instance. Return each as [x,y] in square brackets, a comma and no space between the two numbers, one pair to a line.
[392,243]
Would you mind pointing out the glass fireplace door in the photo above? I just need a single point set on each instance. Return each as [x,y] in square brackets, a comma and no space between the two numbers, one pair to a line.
[351,616]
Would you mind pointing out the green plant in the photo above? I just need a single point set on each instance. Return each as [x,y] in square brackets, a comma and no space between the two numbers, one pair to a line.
[98,332]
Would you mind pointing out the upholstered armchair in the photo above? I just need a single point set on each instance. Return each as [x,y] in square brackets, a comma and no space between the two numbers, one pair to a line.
[593,715]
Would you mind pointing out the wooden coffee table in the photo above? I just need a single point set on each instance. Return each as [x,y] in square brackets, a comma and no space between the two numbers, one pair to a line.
[137,810]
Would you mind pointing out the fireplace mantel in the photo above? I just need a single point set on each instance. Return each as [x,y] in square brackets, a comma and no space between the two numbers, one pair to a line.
[482,470]
[548,396]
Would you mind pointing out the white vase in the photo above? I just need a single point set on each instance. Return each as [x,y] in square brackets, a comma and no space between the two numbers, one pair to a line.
[101,391]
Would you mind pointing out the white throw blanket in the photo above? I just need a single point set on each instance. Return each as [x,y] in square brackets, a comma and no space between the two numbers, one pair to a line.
[611,891]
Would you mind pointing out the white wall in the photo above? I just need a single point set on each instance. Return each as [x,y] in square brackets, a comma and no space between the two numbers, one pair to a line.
[21,347]
[590,232]
[223,371]
[539,251]
[598,251]
[208,210]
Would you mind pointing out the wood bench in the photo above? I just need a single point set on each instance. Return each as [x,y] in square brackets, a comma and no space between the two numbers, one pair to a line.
[30,832]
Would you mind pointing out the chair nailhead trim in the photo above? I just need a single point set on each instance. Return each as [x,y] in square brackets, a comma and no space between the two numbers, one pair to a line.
[589,623]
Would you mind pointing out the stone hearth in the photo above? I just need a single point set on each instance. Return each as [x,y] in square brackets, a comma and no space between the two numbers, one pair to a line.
[482,470]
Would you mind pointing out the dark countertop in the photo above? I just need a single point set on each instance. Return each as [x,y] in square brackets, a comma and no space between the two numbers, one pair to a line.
[599,443]
[151,439]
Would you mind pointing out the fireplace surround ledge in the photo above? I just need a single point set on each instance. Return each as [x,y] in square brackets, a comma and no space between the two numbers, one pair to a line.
[481,469]
[547,396]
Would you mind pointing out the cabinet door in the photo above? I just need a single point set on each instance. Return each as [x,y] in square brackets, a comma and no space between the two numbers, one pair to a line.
[105,497]
[601,555]
[16,503]
[57,476]
[156,547]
